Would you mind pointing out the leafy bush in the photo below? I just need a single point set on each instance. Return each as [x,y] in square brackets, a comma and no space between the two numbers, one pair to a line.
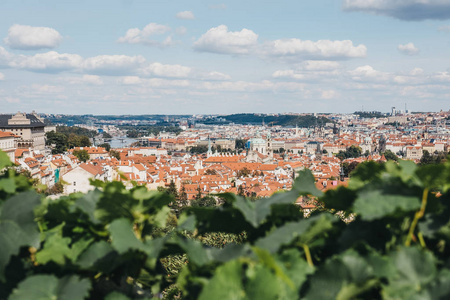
[385,236]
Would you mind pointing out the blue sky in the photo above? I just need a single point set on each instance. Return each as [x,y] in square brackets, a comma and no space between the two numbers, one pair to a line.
[177,57]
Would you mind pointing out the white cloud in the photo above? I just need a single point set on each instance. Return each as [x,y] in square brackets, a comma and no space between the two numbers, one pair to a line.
[86,79]
[5,57]
[444,28]
[185,15]
[161,70]
[220,40]
[217,6]
[2,76]
[32,38]
[411,10]
[181,30]
[215,76]
[47,62]
[300,49]
[130,80]
[320,65]
[146,36]
[288,74]
[113,64]
[329,94]
[368,73]
[408,49]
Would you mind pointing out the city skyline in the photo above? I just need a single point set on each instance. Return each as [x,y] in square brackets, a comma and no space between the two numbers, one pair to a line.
[147,57]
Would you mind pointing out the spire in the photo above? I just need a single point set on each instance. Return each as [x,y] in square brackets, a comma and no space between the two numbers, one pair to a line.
[209,153]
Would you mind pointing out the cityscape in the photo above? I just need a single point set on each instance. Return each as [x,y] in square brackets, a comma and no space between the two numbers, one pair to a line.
[229,150]
[209,154]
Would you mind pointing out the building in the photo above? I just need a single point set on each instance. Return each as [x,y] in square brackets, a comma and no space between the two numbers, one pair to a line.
[78,178]
[7,144]
[29,128]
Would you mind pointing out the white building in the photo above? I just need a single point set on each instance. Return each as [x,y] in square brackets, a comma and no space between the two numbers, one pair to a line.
[77,179]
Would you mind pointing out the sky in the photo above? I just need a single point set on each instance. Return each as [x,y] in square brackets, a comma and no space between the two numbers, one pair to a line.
[224,57]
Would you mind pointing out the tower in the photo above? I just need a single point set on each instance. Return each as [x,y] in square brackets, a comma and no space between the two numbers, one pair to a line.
[209,153]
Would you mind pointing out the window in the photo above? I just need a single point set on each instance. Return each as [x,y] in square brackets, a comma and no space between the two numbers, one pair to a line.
[74,183]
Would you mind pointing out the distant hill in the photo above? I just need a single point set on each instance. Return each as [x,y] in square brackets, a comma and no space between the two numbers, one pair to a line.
[282,120]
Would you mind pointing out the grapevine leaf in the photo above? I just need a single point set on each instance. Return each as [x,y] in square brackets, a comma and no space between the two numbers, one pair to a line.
[247,208]
[72,288]
[304,183]
[433,176]
[8,185]
[56,248]
[46,287]
[342,277]
[116,296]
[415,269]
[226,284]
[195,251]
[17,226]
[4,160]
[262,284]
[123,237]
[88,204]
[94,253]
[340,198]
[372,205]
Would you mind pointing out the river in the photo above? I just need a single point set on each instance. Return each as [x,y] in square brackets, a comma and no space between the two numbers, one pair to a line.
[120,142]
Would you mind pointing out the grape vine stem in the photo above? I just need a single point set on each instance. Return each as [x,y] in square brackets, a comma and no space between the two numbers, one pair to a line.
[417,216]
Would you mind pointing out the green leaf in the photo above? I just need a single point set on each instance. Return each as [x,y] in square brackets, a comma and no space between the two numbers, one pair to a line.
[262,283]
[256,212]
[415,269]
[123,237]
[49,287]
[339,199]
[17,226]
[4,160]
[342,277]
[116,296]
[306,229]
[94,253]
[305,184]
[56,248]
[8,185]
[226,284]
[372,205]
[88,204]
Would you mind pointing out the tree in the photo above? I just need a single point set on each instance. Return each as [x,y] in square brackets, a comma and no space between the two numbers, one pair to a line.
[240,143]
[389,155]
[172,189]
[351,152]
[107,146]
[207,201]
[199,194]
[114,153]
[107,135]
[241,191]
[210,172]
[82,155]
[59,140]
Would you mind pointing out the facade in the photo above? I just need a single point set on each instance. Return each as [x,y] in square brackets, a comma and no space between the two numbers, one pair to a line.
[78,178]
[7,144]
[29,128]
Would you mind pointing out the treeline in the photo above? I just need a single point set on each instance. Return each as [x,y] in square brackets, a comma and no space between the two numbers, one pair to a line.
[68,137]
[146,130]
[282,120]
